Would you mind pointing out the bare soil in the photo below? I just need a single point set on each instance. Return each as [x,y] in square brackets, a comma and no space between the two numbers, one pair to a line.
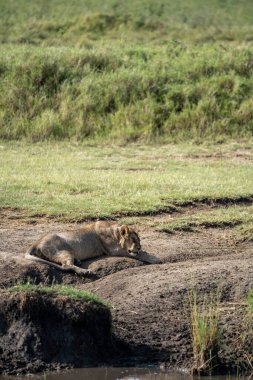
[150,303]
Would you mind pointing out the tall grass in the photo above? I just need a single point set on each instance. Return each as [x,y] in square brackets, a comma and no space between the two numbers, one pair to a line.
[204,331]
[126,71]
[126,93]
[243,343]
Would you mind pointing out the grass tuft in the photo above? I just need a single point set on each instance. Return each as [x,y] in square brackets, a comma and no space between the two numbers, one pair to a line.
[204,330]
[250,300]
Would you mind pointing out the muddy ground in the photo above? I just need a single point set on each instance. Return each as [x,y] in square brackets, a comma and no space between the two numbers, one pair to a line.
[42,332]
[150,303]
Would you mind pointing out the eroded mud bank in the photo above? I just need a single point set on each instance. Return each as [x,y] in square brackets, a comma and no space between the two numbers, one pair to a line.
[41,331]
[150,303]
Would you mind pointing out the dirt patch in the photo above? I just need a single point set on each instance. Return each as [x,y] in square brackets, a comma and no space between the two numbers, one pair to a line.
[150,302]
[40,331]
[238,156]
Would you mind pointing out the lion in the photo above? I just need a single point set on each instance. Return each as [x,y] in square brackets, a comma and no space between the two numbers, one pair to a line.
[63,250]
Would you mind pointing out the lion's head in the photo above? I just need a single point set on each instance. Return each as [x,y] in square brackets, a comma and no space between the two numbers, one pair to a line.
[129,240]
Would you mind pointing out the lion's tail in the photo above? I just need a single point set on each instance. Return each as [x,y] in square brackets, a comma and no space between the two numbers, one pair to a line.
[31,254]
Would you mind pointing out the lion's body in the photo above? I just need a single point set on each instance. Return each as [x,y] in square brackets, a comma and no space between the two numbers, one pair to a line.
[93,240]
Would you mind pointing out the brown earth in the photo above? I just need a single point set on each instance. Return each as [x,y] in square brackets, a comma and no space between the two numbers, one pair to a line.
[150,303]
[41,331]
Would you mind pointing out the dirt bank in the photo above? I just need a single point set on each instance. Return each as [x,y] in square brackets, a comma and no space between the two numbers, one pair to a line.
[41,331]
[150,303]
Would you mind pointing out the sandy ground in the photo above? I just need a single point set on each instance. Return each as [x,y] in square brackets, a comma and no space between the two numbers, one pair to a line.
[150,303]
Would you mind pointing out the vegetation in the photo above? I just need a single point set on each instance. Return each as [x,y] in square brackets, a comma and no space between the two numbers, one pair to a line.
[236,217]
[60,290]
[245,231]
[126,93]
[204,330]
[250,300]
[243,342]
[223,217]
[78,182]
[126,71]
[80,22]
[119,72]
[76,76]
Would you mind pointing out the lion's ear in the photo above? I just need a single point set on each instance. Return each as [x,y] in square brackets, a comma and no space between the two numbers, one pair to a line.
[124,231]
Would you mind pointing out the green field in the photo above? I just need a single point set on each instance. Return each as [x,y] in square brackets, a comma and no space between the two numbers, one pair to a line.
[80,22]
[78,182]
[134,106]
[143,71]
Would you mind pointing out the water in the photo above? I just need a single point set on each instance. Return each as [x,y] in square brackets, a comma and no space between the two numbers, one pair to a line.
[118,374]
[106,373]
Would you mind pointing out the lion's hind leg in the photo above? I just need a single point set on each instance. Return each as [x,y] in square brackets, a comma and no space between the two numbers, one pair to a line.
[66,260]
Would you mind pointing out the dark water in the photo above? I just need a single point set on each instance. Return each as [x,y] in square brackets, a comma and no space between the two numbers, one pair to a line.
[116,374]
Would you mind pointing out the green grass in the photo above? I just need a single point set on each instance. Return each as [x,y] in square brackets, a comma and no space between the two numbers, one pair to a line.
[243,343]
[205,331]
[250,301]
[245,231]
[60,290]
[53,22]
[121,92]
[220,218]
[126,71]
[78,182]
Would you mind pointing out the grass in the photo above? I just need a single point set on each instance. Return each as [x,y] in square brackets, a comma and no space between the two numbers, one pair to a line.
[77,182]
[250,300]
[244,341]
[204,330]
[245,231]
[97,73]
[80,22]
[59,290]
[119,92]
[232,216]
[236,217]
[126,71]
